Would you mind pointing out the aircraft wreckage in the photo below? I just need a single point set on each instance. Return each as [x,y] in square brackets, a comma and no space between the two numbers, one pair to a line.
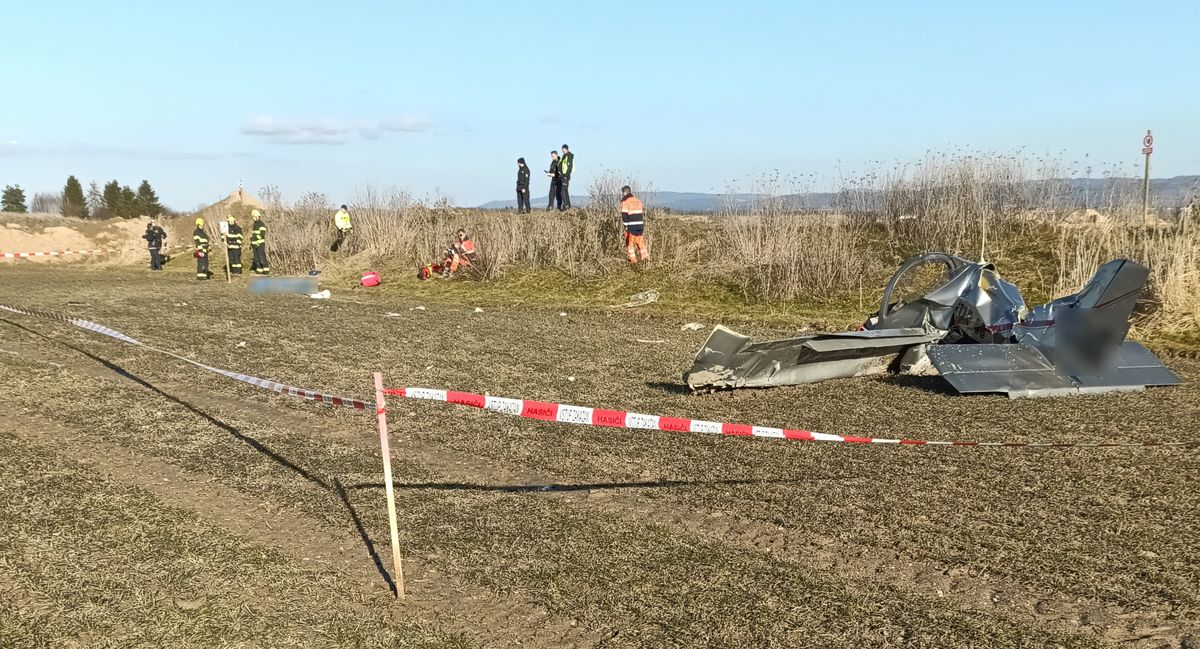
[972,328]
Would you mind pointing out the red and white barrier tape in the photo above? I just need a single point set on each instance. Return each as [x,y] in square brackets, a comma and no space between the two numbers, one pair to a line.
[67,253]
[267,384]
[581,415]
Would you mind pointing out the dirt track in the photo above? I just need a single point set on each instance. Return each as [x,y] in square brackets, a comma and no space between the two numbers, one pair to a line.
[631,538]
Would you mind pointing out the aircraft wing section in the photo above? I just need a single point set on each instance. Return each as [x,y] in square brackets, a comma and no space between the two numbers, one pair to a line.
[1022,371]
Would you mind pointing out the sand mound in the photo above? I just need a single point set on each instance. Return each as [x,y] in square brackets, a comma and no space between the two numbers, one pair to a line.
[22,234]
[236,203]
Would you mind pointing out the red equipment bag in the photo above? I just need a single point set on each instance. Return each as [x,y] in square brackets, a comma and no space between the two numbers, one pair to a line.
[370,278]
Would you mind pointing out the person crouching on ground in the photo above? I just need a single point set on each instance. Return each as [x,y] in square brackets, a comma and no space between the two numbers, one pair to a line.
[460,253]
[633,219]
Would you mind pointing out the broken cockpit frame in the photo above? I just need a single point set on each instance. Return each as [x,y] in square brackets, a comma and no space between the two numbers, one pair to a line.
[972,328]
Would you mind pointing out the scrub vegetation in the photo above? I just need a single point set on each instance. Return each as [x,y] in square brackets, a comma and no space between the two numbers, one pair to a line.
[183,508]
[1041,233]
[144,502]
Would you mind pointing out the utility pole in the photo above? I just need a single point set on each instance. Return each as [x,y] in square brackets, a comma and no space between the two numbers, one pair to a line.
[1147,149]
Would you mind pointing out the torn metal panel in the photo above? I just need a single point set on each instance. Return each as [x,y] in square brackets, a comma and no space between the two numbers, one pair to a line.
[973,328]
[730,360]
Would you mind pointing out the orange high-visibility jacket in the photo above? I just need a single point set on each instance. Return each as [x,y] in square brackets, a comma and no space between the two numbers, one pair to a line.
[632,216]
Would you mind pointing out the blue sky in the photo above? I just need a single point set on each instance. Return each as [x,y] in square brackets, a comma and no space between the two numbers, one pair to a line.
[441,97]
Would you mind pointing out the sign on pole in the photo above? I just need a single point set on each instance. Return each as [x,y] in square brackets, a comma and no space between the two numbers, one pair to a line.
[1147,149]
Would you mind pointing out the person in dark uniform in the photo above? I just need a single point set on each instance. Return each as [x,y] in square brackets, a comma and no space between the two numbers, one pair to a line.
[566,167]
[258,245]
[155,236]
[200,238]
[523,187]
[233,245]
[555,182]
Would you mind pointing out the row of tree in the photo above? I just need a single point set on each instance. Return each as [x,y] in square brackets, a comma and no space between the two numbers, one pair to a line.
[114,200]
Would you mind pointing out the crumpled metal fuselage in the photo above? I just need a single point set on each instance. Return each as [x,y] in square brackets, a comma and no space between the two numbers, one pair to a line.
[973,328]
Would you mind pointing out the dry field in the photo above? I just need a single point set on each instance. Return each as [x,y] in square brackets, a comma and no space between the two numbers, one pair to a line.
[146,503]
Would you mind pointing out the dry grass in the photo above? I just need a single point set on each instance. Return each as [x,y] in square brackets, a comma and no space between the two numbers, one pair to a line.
[782,256]
[392,228]
[659,539]
[1172,254]
[1004,208]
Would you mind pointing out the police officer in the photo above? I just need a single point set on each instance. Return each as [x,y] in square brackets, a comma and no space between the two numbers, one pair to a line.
[154,237]
[258,245]
[233,245]
[522,187]
[555,176]
[200,238]
[566,167]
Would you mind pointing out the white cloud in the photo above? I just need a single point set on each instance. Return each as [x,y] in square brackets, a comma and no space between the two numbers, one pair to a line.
[331,131]
[12,148]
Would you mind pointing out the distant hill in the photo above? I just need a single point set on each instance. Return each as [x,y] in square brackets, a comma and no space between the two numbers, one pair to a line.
[1165,192]
[687,202]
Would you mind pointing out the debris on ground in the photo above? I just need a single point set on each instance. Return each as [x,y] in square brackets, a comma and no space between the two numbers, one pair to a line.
[418,308]
[692,326]
[650,342]
[972,328]
[321,295]
[268,285]
[562,314]
[477,310]
[241,345]
[391,314]
[640,299]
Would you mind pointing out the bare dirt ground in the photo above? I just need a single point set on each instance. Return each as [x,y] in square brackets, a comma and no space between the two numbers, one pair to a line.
[522,533]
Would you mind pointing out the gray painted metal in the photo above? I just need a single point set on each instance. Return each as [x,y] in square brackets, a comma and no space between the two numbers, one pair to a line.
[1021,371]
[730,360]
[973,328]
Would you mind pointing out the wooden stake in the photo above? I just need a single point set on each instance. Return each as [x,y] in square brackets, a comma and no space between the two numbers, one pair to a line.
[1146,193]
[381,414]
[225,247]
